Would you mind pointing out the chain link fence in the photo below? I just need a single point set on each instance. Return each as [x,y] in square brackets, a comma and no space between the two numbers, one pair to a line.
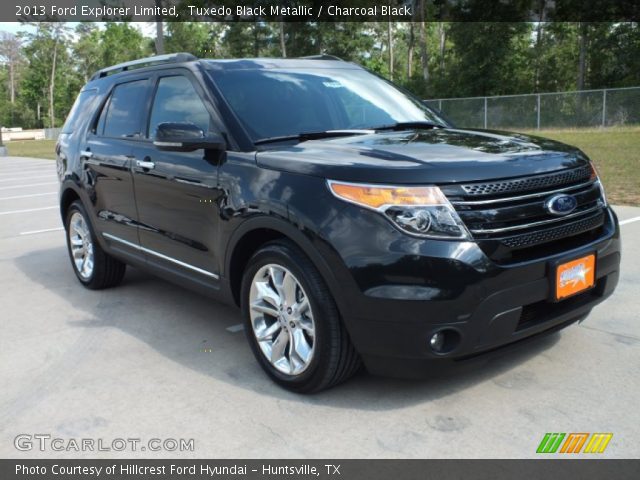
[584,108]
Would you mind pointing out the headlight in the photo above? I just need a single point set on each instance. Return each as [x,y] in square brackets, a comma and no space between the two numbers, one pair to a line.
[596,176]
[420,211]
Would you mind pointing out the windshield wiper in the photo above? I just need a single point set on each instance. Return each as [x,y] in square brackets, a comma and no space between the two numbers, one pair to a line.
[312,136]
[409,126]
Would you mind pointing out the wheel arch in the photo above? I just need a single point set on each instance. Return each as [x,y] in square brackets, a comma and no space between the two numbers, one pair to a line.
[67,197]
[254,233]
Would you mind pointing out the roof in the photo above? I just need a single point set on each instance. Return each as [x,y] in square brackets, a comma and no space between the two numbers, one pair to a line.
[315,61]
[276,63]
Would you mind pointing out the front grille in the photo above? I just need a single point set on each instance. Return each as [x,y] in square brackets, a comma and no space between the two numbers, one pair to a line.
[509,217]
[529,183]
[551,234]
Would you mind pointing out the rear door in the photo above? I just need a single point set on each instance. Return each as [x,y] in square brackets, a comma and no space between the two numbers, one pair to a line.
[177,192]
[107,157]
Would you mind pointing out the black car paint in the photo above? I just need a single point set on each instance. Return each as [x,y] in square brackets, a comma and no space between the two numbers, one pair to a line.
[434,156]
[393,291]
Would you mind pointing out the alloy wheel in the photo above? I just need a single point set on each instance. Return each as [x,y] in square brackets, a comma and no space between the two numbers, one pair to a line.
[81,245]
[282,319]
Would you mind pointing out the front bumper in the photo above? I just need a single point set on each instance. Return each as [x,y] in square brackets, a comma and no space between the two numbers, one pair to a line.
[417,288]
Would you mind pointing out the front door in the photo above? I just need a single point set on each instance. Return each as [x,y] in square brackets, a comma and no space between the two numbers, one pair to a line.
[176,192]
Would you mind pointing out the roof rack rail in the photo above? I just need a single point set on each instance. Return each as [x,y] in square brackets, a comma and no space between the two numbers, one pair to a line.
[145,62]
[322,56]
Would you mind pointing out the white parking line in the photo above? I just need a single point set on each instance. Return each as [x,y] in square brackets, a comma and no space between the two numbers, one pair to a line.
[27,186]
[235,328]
[33,232]
[26,173]
[28,177]
[29,168]
[11,212]
[630,220]
[15,197]
[29,164]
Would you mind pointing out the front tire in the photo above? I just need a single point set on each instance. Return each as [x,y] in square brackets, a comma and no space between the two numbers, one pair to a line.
[95,268]
[292,322]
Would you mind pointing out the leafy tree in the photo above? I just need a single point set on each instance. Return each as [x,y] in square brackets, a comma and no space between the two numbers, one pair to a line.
[200,39]
[242,39]
[11,56]
[613,55]
[486,58]
[352,41]
[41,73]
[46,77]
[121,42]
[88,49]
[13,64]
[301,39]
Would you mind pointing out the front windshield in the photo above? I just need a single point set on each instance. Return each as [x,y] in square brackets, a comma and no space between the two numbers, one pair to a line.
[282,102]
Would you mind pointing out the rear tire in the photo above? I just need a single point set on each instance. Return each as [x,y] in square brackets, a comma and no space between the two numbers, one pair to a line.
[303,346]
[95,268]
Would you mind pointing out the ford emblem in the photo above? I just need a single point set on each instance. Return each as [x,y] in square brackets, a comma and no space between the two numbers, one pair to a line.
[561,204]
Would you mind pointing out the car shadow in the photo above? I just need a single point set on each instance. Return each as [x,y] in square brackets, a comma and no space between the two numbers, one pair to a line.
[191,330]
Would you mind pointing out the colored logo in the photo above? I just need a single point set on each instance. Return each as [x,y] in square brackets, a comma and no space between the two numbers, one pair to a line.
[574,276]
[561,204]
[573,442]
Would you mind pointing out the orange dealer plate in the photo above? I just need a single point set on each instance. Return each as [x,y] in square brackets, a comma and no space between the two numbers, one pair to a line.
[575,276]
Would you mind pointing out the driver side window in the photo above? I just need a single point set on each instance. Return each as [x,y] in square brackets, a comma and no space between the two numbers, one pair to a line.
[177,101]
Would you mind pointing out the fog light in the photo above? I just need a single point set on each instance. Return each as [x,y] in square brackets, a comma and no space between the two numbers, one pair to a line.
[437,342]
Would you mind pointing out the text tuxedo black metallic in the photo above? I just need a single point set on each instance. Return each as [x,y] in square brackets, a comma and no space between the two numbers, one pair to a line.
[349,222]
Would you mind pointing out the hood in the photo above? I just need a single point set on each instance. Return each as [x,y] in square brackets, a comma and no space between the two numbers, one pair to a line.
[423,156]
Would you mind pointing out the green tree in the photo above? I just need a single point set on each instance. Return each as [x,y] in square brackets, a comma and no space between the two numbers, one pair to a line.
[558,57]
[41,74]
[47,76]
[613,57]
[490,58]
[200,39]
[87,49]
[121,42]
[13,63]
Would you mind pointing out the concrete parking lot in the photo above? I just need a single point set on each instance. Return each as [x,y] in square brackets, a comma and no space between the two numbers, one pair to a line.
[151,360]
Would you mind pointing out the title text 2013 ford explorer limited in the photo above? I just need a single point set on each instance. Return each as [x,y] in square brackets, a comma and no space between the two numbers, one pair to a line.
[351,223]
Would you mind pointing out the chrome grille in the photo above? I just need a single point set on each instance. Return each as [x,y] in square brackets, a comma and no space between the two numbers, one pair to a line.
[556,233]
[511,214]
[529,183]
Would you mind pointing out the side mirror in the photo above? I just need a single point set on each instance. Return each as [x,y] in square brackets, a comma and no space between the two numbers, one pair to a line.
[185,137]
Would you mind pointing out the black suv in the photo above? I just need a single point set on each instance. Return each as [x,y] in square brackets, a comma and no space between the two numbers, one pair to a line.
[350,222]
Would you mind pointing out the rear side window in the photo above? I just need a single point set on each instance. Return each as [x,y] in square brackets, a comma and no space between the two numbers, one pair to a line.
[120,116]
[83,106]
[177,101]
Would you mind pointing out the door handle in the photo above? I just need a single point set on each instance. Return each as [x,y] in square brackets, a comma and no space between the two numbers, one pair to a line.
[145,164]
[86,153]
